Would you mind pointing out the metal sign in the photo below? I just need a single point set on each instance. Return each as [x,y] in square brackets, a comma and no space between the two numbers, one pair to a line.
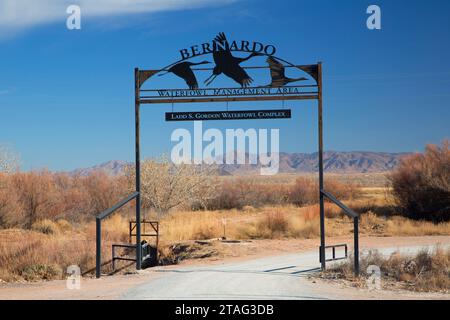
[228,115]
[276,85]
[210,47]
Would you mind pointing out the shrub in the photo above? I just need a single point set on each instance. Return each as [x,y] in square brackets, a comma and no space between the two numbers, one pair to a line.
[228,196]
[10,208]
[46,227]
[421,184]
[248,209]
[276,222]
[41,271]
[100,191]
[240,193]
[425,271]
[37,194]
[342,191]
[33,196]
[305,191]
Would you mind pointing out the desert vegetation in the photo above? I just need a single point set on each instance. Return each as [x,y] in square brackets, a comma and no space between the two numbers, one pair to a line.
[421,184]
[426,271]
[29,197]
[166,186]
[46,219]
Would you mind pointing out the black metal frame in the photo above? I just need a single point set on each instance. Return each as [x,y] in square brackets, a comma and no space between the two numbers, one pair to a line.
[352,214]
[142,75]
[132,225]
[137,86]
[153,224]
[114,257]
[145,74]
[98,223]
[333,247]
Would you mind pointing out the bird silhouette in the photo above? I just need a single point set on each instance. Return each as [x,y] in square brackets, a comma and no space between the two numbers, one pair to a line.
[184,71]
[277,74]
[227,64]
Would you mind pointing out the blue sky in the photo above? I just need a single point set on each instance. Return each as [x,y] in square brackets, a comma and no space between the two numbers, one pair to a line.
[66,97]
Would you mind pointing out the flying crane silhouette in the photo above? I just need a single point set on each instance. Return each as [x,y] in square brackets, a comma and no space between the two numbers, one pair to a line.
[184,71]
[227,64]
[277,74]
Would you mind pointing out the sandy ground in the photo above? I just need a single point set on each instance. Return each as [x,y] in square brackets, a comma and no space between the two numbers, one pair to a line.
[114,287]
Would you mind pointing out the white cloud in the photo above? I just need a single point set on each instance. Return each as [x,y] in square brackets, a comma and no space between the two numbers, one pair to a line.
[19,15]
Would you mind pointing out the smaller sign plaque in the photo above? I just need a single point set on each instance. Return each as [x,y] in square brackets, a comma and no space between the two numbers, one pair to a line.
[228,115]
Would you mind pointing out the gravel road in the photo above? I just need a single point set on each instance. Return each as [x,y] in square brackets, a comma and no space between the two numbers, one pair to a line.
[281,277]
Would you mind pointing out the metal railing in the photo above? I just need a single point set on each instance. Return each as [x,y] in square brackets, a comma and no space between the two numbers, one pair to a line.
[119,257]
[98,223]
[349,212]
[154,225]
[333,252]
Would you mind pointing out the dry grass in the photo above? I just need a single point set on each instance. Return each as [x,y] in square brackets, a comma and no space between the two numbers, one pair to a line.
[45,226]
[426,271]
[36,255]
[199,225]
[22,252]
[291,222]
[58,212]
[261,223]
[31,255]
[375,225]
[400,226]
[375,180]
[276,223]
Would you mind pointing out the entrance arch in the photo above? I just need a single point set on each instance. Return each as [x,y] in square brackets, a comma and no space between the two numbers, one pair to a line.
[227,64]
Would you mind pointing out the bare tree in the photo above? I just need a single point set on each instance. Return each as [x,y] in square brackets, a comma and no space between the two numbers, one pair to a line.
[10,209]
[165,185]
[9,160]
[37,193]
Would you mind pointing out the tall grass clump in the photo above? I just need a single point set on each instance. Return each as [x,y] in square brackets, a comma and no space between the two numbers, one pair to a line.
[46,227]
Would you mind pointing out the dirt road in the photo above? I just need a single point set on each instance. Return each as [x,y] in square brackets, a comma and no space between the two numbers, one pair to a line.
[267,269]
[280,277]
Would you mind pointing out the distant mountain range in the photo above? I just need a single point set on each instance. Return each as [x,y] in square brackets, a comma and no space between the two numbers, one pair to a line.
[334,162]
[114,168]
